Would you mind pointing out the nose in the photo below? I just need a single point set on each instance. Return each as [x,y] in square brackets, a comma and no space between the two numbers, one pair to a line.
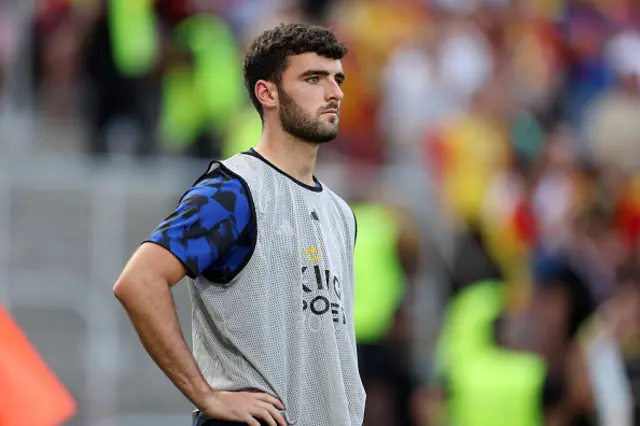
[334,93]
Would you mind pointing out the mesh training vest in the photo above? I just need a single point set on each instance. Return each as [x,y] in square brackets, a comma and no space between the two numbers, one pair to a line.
[284,324]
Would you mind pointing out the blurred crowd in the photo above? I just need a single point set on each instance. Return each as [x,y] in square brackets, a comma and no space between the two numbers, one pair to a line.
[524,113]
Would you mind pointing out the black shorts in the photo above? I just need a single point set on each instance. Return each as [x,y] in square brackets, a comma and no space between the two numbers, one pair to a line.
[200,419]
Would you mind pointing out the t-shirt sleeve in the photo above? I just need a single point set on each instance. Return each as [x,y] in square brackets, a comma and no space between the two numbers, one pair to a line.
[207,223]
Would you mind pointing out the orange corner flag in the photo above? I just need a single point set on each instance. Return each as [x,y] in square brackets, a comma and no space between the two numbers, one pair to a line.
[30,394]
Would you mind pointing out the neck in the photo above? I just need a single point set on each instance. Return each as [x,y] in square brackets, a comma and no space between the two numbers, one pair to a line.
[295,157]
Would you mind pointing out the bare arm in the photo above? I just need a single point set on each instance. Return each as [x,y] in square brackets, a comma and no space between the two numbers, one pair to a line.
[188,241]
[144,289]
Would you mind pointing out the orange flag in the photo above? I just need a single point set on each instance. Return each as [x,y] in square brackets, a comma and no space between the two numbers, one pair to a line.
[30,394]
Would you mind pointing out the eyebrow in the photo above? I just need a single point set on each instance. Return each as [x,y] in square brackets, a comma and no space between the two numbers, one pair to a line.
[325,73]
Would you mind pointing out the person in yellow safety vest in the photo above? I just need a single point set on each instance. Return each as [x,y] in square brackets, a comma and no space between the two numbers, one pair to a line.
[479,379]
[121,55]
[134,36]
[202,90]
[203,97]
[385,257]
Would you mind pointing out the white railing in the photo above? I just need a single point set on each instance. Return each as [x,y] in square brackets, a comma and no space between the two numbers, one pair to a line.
[106,189]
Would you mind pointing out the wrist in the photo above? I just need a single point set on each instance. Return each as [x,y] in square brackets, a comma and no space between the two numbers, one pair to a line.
[202,393]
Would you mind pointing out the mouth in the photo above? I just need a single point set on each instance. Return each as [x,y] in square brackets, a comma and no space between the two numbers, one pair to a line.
[331,111]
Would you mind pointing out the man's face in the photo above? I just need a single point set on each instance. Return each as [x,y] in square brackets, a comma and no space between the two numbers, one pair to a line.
[310,96]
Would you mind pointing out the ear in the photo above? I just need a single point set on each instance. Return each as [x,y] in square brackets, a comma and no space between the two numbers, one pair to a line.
[267,94]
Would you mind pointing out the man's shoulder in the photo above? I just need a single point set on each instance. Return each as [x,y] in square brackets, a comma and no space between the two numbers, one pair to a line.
[336,197]
[220,177]
[221,186]
[342,205]
[239,163]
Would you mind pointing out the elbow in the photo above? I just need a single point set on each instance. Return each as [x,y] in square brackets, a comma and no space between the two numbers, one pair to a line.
[122,289]
[132,287]
[118,289]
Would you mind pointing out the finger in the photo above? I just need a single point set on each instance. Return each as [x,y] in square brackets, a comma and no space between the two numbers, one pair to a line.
[271,400]
[251,421]
[264,414]
[276,415]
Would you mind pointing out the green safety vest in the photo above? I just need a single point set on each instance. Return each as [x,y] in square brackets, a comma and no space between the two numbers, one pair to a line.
[468,322]
[134,38]
[488,385]
[497,387]
[379,276]
[194,99]
[211,93]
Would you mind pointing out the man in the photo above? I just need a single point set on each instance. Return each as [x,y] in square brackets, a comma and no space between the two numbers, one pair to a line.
[269,251]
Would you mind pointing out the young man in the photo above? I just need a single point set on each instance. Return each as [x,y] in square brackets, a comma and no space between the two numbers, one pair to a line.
[269,251]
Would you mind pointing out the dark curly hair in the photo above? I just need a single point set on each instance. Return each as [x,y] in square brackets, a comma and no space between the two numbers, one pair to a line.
[266,58]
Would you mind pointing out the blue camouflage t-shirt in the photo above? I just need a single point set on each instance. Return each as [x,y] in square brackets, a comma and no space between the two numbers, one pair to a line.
[212,230]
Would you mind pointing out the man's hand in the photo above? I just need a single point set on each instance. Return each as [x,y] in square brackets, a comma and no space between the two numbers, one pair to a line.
[244,407]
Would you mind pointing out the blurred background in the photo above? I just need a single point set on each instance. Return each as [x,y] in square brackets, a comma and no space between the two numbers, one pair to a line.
[490,150]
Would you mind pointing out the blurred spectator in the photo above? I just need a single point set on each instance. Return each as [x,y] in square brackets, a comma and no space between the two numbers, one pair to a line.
[373,30]
[203,90]
[121,54]
[485,377]
[8,43]
[562,303]
[179,83]
[604,362]
[57,44]
[468,151]
[557,191]
[585,30]
[613,123]
[385,266]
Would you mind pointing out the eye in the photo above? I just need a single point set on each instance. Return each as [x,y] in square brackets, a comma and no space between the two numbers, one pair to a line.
[313,79]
